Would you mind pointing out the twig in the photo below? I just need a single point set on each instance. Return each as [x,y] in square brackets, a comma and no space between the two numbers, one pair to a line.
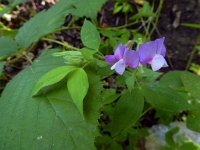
[158,16]
[64,44]
[120,27]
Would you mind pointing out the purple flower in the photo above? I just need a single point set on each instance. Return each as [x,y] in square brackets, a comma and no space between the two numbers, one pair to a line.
[153,53]
[122,58]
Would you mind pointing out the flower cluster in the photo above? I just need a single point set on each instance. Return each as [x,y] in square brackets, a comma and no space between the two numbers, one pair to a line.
[152,53]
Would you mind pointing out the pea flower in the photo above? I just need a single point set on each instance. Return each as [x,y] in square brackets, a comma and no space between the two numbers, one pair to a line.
[153,53]
[122,58]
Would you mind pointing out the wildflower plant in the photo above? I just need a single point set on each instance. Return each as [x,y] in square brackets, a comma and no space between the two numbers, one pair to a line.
[88,98]
[152,53]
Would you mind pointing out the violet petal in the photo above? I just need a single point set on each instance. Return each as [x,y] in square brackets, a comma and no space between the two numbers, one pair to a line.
[158,62]
[146,52]
[160,47]
[110,59]
[131,58]
[119,52]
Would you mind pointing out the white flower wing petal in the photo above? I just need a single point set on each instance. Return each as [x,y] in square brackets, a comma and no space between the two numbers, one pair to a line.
[119,67]
[158,62]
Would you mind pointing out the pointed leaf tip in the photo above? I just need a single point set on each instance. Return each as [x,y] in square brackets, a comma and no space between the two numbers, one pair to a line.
[52,77]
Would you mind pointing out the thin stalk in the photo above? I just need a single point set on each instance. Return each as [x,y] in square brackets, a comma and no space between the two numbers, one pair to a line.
[144,25]
[192,53]
[71,22]
[126,19]
[148,26]
[145,22]
[67,28]
[20,54]
[150,20]
[86,64]
[158,16]
[120,27]
[147,110]
[191,58]
[64,44]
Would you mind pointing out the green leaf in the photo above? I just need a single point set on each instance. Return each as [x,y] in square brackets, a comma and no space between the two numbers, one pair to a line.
[115,146]
[108,96]
[130,82]
[147,74]
[7,46]
[127,111]
[88,8]
[167,148]
[11,5]
[164,98]
[78,86]
[1,67]
[52,77]
[43,23]
[145,11]
[92,101]
[6,31]
[164,118]
[172,79]
[195,67]
[190,145]
[193,118]
[16,2]
[117,8]
[87,53]
[4,10]
[169,136]
[90,36]
[192,84]
[51,121]
[128,8]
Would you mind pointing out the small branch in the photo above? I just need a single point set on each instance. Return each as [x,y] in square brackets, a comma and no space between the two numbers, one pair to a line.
[120,27]
[64,44]
[191,58]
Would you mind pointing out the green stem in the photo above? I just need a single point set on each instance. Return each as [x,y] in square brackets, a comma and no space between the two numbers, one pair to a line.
[148,26]
[87,63]
[120,27]
[192,53]
[157,17]
[147,110]
[190,58]
[67,28]
[126,19]
[64,44]
[144,25]
[20,54]
[71,22]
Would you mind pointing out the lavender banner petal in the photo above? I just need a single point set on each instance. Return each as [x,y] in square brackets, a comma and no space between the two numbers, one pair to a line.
[119,52]
[110,59]
[146,52]
[131,58]
[160,47]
